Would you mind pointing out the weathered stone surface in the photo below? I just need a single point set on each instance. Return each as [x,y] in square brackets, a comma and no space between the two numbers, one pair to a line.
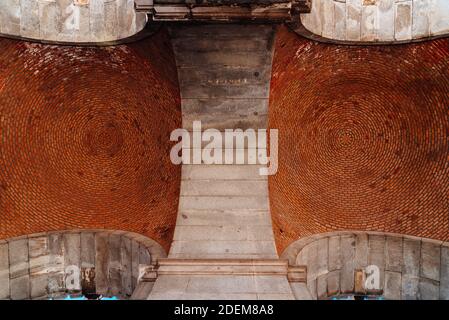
[430,260]
[420,18]
[339,21]
[10,16]
[411,257]
[327,18]
[403,20]
[386,17]
[313,21]
[368,23]
[410,287]
[444,273]
[321,286]
[56,265]
[135,263]
[353,16]
[49,20]
[87,243]
[376,255]
[361,251]
[393,285]
[20,287]
[335,262]
[102,262]
[300,291]
[4,271]
[18,258]
[428,290]
[347,271]
[29,19]
[394,253]
[126,262]
[114,274]
[38,286]
[439,13]
[333,283]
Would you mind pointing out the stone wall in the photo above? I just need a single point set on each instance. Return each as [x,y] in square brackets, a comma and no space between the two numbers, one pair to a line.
[342,263]
[46,265]
[70,20]
[377,20]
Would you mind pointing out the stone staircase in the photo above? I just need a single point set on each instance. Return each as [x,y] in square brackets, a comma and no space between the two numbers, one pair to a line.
[223,246]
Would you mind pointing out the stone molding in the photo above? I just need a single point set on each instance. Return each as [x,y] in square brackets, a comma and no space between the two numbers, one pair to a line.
[220,267]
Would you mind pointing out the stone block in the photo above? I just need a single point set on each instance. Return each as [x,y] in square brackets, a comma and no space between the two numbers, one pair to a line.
[20,287]
[82,26]
[393,285]
[102,262]
[394,253]
[29,19]
[444,273]
[361,251]
[114,268]
[428,290]
[38,286]
[386,17]
[300,291]
[348,244]
[10,17]
[56,264]
[4,271]
[340,20]
[321,286]
[353,19]
[420,18]
[313,21]
[333,283]
[110,21]
[18,258]
[410,287]
[272,285]
[327,19]
[439,13]
[126,263]
[97,26]
[411,257]
[49,20]
[430,260]
[87,243]
[335,262]
[369,24]
[403,21]
[134,263]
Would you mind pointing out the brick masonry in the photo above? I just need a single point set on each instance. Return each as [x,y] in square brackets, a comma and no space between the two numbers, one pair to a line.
[363,138]
[85,138]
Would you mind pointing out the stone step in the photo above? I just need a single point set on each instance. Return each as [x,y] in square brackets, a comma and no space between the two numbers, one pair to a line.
[228,249]
[223,203]
[223,233]
[223,217]
[221,172]
[224,188]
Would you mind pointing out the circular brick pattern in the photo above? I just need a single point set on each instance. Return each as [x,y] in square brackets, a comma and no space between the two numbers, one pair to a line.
[364,138]
[85,138]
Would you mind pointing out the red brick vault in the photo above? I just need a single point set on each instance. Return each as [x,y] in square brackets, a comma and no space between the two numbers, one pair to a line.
[363,138]
[85,138]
